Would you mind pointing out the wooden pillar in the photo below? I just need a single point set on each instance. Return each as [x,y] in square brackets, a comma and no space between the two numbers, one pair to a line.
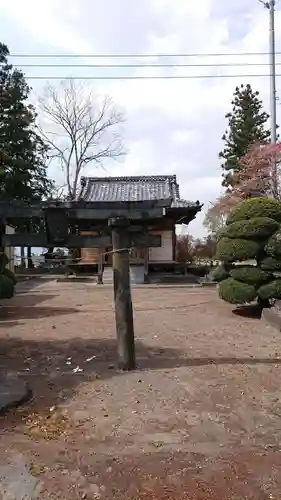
[146,258]
[122,294]
[100,266]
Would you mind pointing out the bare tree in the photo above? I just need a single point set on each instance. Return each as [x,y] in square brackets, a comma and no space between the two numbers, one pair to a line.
[80,129]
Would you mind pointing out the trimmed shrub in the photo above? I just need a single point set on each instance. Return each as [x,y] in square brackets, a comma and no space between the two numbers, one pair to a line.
[4,260]
[220,273]
[256,228]
[273,246]
[7,287]
[256,207]
[270,264]
[270,291]
[252,275]
[235,292]
[231,250]
[10,275]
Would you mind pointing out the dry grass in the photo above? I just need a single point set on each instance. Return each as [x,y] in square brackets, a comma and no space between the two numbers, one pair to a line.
[199,419]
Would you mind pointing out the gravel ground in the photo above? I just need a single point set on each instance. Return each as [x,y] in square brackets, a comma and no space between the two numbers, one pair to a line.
[199,419]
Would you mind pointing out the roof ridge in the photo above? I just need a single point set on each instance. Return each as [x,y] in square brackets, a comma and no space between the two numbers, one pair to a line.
[129,178]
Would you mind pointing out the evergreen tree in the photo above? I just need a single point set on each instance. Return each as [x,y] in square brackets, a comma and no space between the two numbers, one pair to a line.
[246,126]
[23,154]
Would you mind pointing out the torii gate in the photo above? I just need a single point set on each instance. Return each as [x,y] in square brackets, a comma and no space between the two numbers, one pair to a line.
[57,220]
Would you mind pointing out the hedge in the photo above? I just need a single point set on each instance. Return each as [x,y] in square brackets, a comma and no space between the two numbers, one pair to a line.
[256,207]
[270,264]
[273,246]
[220,273]
[7,287]
[270,291]
[251,275]
[230,250]
[235,292]
[257,227]
[9,274]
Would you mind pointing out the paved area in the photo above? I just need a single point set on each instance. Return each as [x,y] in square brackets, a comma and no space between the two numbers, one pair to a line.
[199,419]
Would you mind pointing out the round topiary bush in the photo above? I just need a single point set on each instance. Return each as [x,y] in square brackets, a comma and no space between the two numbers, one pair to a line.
[7,287]
[253,232]
[236,292]
[9,274]
[7,278]
[258,228]
[256,207]
[252,275]
[270,264]
[220,273]
[271,290]
[231,250]
[273,246]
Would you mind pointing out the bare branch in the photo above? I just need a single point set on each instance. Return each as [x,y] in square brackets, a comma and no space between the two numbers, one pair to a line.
[83,129]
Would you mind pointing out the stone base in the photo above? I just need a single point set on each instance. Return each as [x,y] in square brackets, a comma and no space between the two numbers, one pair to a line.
[272,316]
[13,393]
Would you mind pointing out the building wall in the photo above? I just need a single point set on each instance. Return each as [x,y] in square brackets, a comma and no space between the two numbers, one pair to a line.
[165,252]
[157,254]
[89,255]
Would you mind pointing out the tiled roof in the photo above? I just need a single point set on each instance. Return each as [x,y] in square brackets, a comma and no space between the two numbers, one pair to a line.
[137,188]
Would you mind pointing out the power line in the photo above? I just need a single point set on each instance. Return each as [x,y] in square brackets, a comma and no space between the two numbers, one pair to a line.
[146,77]
[187,65]
[134,56]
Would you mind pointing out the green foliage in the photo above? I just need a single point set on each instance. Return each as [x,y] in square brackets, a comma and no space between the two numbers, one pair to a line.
[252,275]
[270,264]
[231,250]
[273,246]
[7,287]
[23,157]
[4,260]
[9,274]
[256,228]
[246,126]
[220,274]
[271,290]
[255,207]
[235,292]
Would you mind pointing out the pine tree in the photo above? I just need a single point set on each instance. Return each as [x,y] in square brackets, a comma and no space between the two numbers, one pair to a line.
[246,126]
[23,154]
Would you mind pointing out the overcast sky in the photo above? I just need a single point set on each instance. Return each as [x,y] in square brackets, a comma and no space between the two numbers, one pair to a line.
[173,126]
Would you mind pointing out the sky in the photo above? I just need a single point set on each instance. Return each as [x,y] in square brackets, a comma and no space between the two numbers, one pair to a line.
[173,126]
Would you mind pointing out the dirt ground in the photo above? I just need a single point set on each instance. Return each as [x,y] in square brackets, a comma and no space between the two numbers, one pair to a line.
[199,419]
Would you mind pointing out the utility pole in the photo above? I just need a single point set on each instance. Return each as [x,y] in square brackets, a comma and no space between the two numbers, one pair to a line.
[270,5]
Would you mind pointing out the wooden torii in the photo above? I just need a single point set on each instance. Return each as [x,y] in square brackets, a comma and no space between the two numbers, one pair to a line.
[59,223]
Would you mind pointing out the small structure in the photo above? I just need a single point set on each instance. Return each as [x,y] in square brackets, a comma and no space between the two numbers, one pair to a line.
[124,190]
[147,205]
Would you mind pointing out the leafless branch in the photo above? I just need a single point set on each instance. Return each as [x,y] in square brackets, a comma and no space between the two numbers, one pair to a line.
[82,129]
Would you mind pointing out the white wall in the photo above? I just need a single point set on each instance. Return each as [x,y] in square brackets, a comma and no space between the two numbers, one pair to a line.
[10,251]
[165,252]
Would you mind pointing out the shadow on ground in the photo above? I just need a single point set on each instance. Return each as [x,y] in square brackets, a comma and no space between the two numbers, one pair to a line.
[52,368]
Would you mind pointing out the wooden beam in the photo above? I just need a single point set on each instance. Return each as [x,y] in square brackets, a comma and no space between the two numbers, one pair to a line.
[41,240]
[143,240]
[94,211]
[122,295]
[77,241]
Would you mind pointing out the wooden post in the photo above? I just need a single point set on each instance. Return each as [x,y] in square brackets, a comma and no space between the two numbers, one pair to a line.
[146,258]
[122,294]
[100,266]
